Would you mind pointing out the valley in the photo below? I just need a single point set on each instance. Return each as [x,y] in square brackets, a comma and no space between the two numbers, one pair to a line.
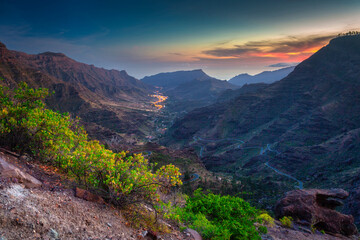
[279,134]
[180,120]
[257,141]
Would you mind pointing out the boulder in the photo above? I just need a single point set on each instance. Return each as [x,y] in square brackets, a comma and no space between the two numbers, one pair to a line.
[9,171]
[88,196]
[317,207]
[194,234]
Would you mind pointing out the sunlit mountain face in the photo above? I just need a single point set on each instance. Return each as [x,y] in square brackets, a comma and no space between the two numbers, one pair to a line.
[225,38]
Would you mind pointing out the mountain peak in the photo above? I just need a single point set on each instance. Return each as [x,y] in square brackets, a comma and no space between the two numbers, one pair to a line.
[173,79]
[2,45]
[198,70]
[52,54]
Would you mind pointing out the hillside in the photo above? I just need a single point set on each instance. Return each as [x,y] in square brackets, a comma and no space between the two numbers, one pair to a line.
[188,89]
[297,125]
[263,77]
[173,79]
[109,101]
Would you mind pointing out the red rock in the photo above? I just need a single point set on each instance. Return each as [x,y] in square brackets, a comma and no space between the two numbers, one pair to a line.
[88,196]
[316,207]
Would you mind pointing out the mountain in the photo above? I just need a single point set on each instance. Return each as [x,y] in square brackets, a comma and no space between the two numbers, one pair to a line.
[188,89]
[173,79]
[303,129]
[108,100]
[263,77]
[246,88]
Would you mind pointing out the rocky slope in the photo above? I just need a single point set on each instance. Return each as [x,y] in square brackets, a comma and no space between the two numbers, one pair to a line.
[53,210]
[108,100]
[263,77]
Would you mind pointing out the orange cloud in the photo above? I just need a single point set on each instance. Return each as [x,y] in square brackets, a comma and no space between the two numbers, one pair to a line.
[288,48]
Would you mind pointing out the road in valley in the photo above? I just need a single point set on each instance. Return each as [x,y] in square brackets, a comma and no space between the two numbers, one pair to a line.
[262,152]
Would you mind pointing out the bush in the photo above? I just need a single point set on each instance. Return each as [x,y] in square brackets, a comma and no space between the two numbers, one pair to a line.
[262,229]
[27,126]
[287,221]
[267,219]
[217,217]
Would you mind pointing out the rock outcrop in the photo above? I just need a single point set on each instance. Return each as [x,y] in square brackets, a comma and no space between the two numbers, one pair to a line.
[316,207]
[9,171]
[88,196]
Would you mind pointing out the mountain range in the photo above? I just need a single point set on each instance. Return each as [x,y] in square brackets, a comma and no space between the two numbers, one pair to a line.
[305,126]
[109,101]
[263,77]
[188,89]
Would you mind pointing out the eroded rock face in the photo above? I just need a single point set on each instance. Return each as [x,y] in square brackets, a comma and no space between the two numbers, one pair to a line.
[316,207]
[9,171]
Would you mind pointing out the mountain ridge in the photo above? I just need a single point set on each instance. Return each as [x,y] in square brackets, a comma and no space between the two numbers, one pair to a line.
[110,101]
[263,77]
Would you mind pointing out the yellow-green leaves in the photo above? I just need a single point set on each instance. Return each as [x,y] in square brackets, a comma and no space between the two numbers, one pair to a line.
[56,138]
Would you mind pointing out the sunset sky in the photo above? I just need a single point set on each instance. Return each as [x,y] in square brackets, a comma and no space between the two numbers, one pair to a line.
[224,38]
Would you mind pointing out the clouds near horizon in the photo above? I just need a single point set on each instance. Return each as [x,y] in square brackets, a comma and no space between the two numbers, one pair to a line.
[225,37]
[277,48]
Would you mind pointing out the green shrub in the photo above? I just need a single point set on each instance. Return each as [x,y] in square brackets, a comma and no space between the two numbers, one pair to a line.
[27,126]
[267,219]
[262,229]
[217,217]
[287,221]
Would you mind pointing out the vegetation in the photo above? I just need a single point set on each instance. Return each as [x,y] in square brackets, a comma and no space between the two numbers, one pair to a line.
[218,217]
[27,126]
[267,219]
[350,33]
[287,221]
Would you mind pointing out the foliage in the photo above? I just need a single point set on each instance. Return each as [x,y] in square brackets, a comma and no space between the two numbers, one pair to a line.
[313,228]
[287,221]
[267,219]
[217,217]
[262,229]
[26,125]
[350,33]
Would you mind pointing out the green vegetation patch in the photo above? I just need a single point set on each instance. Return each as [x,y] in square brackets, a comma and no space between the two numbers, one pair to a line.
[218,217]
[27,126]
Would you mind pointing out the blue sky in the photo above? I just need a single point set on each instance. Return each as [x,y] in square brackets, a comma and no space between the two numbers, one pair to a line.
[224,38]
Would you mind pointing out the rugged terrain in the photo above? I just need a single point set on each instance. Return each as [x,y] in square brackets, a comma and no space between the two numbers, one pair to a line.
[110,102]
[53,211]
[188,89]
[304,127]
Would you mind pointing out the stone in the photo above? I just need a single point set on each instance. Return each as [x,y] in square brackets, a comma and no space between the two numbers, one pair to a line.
[193,233]
[150,235]
[9,171]
[317,207]
[88,196]
[53,234]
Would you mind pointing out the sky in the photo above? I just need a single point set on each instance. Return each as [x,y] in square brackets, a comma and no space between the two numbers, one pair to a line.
[224,38]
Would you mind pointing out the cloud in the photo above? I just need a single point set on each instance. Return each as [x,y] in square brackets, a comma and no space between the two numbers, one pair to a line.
[290,45]
[176,54]
[279,65]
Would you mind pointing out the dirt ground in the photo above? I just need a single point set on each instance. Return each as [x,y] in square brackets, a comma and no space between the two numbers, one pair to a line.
[53,212]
